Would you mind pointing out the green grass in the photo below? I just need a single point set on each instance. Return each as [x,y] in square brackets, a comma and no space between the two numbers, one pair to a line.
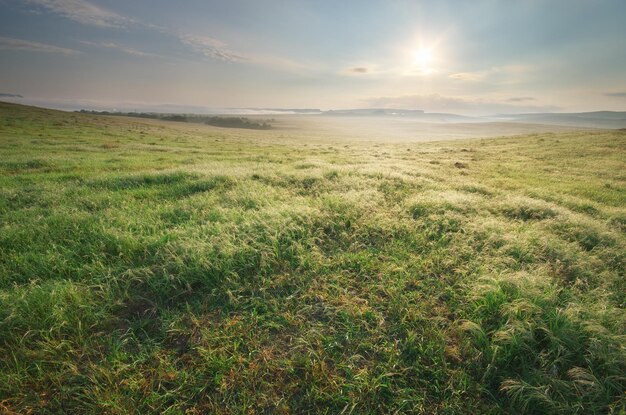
[148,267]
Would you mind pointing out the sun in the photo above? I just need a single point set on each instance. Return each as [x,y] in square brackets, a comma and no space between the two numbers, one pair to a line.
[423,58]
[423,55]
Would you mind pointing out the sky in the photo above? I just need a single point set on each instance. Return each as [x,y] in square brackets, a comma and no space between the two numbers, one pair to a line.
[467,57]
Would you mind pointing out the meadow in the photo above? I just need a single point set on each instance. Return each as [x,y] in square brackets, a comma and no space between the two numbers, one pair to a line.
[151,267]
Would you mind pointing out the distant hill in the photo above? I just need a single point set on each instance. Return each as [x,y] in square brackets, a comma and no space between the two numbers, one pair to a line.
[593,119]
[375,111]
[396,112]
[7,95]
[596,119]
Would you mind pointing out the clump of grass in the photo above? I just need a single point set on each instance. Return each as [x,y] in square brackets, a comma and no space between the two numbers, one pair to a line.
[304,166]
[16,166]
[527,209]
[541,352]
[618,222]
[110,145]
[142,180]
[586,233]
[430,202]
[479,189]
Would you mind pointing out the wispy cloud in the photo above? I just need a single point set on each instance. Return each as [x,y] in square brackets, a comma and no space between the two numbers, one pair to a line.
[500,74]
[364,69]
[90,14]
[121,48]
[616,94]
[359,69]
[87,13]
[216,49]
[8,43]
[441,103]
[213,48]
[520,99]
[83,12]
[469,76]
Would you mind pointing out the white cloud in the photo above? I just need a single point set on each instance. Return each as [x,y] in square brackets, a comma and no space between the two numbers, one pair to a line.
[83,12]
[8,43]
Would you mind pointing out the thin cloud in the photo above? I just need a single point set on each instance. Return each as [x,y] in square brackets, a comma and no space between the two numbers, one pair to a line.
[216,49]
[88,13]
[83,12]
[359,69]
[213,48]
[499,74]
[520,99]
[121,48]
[8,43]
[469,76]
[616,94]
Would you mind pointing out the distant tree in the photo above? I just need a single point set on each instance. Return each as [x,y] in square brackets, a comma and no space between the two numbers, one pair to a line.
[174,117]
[238,122]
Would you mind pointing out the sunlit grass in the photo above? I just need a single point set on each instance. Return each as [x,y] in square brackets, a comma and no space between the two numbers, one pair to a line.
[147,267]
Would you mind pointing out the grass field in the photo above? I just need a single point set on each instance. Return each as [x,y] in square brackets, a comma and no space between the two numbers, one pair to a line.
[166,268]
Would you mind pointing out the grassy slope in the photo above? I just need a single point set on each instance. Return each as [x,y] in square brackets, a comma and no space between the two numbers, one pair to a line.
[161,268]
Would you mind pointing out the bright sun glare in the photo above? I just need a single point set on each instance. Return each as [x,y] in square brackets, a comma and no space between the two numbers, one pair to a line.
[423,57]
[422,60]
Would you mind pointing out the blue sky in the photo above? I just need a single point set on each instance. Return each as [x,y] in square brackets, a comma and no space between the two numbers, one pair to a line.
[469,57]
